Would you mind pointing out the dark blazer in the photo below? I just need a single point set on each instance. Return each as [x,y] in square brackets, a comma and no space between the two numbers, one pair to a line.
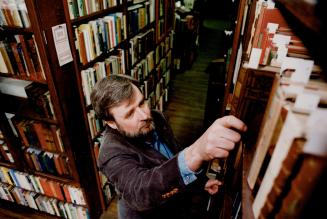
[149,185]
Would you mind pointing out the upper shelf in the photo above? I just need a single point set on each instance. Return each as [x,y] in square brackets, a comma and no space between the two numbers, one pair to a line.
[305,12]
[86,18]
[8,30]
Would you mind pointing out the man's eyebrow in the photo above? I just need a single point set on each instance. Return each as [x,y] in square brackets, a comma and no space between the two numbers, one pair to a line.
[129,112]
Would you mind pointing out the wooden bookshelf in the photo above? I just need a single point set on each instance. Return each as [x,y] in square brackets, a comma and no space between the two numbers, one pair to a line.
[62,87]
[78,67]
[304,21]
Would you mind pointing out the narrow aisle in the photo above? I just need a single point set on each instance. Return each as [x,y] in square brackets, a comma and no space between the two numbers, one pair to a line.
[185,110]
[186,107]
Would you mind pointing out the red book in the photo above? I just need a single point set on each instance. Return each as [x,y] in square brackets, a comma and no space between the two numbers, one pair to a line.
[20,125]
[55,187]
[57,163]
[44,135]
[46,187]
[67,194]
[267,16]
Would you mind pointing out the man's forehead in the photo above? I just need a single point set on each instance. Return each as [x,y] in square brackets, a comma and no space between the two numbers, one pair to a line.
[125,105]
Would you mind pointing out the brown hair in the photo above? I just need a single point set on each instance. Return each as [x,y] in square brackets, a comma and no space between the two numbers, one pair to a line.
[110,92]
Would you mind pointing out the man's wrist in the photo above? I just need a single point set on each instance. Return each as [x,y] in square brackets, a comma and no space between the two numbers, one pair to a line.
[192,158]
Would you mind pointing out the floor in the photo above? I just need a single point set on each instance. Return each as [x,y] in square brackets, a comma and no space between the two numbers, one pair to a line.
[186,107]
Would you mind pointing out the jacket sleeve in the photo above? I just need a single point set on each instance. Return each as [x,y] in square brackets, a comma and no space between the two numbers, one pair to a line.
[143,188]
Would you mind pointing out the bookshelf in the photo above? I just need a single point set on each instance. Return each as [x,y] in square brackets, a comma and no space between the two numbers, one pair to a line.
[275,178]
[46,166]
[186,27]
[127,37]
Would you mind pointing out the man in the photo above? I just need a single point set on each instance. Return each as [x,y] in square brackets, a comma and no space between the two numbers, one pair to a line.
[154,177]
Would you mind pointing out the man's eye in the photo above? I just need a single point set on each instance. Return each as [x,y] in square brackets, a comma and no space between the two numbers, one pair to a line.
[129,115]
[143,103]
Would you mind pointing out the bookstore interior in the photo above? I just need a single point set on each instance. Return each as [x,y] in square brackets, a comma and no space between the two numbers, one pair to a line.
[270,73]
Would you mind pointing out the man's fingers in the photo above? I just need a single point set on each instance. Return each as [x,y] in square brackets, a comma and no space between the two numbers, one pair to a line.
[212,186]
[225,144]
[230,134]
[232,122]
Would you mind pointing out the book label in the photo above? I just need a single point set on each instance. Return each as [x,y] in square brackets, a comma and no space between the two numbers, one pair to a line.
[60,38]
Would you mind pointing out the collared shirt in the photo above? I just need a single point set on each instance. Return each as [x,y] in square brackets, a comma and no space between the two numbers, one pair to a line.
[187,174]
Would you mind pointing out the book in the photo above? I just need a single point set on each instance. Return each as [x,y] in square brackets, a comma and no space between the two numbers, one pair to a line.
[5,63]
[267,129]
[292,129]
[306,189]
[250,98]
[274,198]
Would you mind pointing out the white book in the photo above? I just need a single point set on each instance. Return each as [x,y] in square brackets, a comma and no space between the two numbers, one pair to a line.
[54,203]
[3,21]
[292,129]
[14,13]
[13,87]
[63,209]
[30,199]
[85,87]
[94,26]
[2,192]
[37,179]
[67,210]
[23,181]
[23,13]
[35,186]
[3,66]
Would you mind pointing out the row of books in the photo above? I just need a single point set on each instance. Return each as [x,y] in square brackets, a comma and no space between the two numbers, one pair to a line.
[19,56]
[14,13]
[114,64]
[185,40]
[42,203]
[50,188]
[165,45]
[292,137]
[156,93]
[47,162]
[99,36]
[140,46]
[143,68]
[160,31]
[139,16]
[96,125]
[5,154]
[79,8]
[160,28]
[40,99]
[272,39]
[107,188]
[158,103]
[163,62]
[41,135]
[150,82]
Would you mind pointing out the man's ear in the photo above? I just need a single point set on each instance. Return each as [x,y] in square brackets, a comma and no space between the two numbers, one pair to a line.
[111,124]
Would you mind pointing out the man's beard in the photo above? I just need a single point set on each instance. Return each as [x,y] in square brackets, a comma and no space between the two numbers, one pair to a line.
[142,133]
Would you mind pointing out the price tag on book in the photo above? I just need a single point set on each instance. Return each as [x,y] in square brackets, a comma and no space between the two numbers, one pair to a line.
[272,27]
[280,39]
[254,58]
[299,69]
[316,133]
[306,103]
[60,38]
